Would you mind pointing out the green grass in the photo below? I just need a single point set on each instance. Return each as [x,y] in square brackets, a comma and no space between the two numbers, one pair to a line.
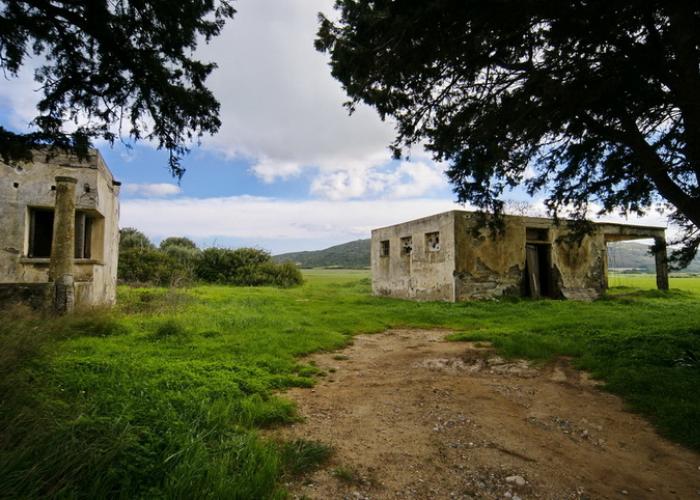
[347,475]
[301,456]
[164,396]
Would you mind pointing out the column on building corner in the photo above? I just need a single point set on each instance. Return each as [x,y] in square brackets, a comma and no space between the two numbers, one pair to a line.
[661,263]
[63,245]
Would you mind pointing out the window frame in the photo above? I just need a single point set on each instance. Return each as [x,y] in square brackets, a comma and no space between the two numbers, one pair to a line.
[384,248]
[432,247]
[84,222]
[32,250]
[406,250]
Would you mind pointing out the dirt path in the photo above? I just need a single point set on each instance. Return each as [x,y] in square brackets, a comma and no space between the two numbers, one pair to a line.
[413,416]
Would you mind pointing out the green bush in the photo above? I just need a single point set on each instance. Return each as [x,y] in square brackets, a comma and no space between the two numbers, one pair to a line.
[246,267]
[284,275]
[153,267]
[178,261]
[222,265]
[178,241]
[140,262]
[133,238]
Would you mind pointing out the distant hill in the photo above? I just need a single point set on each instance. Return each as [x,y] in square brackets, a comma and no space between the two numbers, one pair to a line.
[352,255]
[626,255]
[630,255]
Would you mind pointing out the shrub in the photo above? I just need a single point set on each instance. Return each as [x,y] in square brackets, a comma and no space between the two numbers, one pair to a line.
[284,275]
[133,238]
[179,261]
[178,241]
[171,265]
[245,266]
[151,266]
[185,258]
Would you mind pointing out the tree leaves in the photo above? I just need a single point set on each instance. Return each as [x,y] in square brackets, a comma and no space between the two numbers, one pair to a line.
[114,68]
[593,98]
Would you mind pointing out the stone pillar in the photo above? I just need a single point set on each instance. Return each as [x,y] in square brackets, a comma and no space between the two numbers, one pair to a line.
[661,263]
[63,245]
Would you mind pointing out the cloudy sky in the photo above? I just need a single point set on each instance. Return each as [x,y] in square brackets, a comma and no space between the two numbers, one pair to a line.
[289,169]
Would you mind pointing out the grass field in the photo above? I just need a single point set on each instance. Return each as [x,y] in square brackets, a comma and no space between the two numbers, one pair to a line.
[164,396]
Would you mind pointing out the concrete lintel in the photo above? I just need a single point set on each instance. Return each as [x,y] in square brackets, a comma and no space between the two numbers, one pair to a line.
[620,232]
[65,178]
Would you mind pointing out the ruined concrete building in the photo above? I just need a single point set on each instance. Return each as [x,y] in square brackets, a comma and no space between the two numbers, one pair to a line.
[59,236]
[448,256]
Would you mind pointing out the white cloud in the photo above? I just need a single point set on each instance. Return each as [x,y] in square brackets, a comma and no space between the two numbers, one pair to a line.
[157,190]
[407,180]
[271,170]
[416,179]
[272,222]
[653,217]
[286,225]
[20,95]
[281,108]
[278,98]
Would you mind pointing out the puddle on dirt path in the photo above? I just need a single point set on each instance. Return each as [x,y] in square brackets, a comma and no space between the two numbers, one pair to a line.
[412,416]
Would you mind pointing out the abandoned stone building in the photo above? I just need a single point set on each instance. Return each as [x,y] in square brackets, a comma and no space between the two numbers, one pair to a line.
[59,236]
[449,257]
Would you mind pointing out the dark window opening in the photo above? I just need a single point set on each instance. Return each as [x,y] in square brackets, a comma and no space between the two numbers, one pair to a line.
[83,233]
[432,241]
[384,248]
[406,245]
[40,233]
[538,271]
[537,234]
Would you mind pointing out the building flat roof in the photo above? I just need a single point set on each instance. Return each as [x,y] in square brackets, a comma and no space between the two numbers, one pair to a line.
[527,218]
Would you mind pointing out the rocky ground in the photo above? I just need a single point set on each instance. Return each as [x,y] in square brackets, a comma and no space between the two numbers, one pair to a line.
[412,416]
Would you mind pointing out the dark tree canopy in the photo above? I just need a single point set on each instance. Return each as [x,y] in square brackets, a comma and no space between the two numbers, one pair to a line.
[587,100]
[178,241]
[130,237]
[114,67]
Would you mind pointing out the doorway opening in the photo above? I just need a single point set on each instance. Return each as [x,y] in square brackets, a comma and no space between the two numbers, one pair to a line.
[538,270]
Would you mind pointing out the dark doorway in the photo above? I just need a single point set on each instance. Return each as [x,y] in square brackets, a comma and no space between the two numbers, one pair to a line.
[538,270]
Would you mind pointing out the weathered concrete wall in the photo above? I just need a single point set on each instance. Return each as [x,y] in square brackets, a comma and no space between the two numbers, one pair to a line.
[488,265]
[424,273]
[494,265]
[475,263]
[35,295]
[32,185]
[579,268]
[106,239]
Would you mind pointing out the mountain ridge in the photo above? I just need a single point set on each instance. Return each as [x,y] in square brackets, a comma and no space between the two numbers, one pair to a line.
[623,256]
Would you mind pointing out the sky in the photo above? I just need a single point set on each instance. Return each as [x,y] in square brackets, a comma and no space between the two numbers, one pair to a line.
[289,169]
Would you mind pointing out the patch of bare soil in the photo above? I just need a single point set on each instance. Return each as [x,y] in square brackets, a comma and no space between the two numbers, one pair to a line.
[413,416]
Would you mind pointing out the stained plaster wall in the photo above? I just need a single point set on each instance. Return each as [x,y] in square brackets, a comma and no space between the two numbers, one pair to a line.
[29,185]
[423,274]
[489,265]
[475,263]
[580,269]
